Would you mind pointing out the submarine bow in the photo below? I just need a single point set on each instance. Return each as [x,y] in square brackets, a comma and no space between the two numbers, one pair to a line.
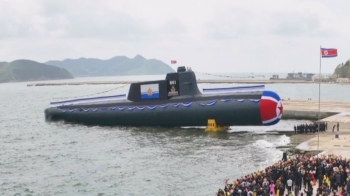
[271,108]
[175,101]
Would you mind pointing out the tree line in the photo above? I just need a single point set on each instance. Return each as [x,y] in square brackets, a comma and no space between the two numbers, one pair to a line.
[342,70]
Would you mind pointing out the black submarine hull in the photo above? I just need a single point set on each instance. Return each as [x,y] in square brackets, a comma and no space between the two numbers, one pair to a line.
[175,101]
[238,110]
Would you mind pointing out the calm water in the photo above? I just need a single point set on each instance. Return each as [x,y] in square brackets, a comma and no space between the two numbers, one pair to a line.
[40,158]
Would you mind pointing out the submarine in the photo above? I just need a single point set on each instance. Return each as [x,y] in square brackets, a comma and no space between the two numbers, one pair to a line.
[173,102]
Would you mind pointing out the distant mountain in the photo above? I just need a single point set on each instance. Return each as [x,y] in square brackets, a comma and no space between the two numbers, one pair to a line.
[119,65]
[26,70]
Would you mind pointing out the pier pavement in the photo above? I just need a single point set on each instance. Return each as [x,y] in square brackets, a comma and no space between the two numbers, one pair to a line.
[337,142]
[333,112]
[312,105]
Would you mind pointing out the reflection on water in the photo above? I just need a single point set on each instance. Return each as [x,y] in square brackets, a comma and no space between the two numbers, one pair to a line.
[40,158]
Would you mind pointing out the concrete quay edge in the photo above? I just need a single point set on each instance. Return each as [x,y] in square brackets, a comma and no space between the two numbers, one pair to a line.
[337,143]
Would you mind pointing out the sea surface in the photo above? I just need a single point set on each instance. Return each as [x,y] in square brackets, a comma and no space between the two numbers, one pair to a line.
[40,158]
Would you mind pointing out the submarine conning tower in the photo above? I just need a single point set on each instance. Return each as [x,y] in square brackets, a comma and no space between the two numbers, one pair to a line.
[182,83]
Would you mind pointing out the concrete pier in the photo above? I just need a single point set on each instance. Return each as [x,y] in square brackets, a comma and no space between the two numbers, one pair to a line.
[333,112]
[337,143]
[308,109]
[312,105]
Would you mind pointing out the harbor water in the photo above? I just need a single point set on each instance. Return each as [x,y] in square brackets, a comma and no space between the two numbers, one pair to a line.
[39,158]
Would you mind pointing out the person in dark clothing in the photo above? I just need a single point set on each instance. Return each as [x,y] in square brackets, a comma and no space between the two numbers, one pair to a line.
[320,190]
[337,126]
[307,180]
[295,129]
[309,185]
[337,180]
[320,179]
[332,181]
[296,190]
[265,193]
[284,177]
[309,191]
[298,179]
[282,189]
[335,187]
[259,191]
[348,187]
[328,171]
[343,179]
[221,193]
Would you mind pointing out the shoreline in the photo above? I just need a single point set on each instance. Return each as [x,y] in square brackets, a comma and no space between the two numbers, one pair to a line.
[298,139]
[336,143]
[199,81]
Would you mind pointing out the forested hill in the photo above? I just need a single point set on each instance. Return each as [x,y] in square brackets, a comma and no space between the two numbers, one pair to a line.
[27,70]
[119,65]
[343,70]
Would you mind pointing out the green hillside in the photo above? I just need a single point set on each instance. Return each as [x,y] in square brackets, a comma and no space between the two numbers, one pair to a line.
[342,70]
[26,70]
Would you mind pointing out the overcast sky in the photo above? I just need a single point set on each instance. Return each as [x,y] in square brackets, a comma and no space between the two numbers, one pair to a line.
[207,35]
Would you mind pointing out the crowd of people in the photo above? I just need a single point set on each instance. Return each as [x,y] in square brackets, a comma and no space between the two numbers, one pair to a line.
[313,127]
[302,175]
[310,128]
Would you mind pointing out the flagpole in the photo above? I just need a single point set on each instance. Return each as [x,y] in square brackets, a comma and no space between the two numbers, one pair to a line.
[319,102]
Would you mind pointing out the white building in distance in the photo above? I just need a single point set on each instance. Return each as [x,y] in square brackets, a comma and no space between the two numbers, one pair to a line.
[343,80]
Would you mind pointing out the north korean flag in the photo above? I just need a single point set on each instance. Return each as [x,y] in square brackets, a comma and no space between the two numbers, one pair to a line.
[329,52]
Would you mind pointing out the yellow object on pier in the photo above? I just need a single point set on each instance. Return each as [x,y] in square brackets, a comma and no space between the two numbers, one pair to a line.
[213,126]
